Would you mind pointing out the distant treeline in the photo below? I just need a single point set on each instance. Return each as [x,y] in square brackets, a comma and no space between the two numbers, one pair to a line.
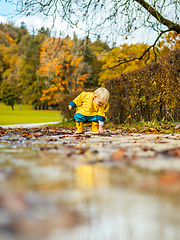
[44,71]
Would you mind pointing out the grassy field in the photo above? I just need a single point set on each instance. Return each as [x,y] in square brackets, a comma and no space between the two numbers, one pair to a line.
[26,115]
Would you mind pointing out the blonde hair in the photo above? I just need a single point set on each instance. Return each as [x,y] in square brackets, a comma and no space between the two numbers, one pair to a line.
[102,93]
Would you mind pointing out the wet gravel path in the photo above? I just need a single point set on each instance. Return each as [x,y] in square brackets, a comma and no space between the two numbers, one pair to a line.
[56,183]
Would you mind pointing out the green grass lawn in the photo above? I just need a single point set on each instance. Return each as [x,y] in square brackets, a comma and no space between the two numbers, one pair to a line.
[26,115]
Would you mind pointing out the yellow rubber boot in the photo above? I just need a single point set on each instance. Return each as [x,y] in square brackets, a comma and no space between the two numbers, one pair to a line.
[95,127]
[79,126]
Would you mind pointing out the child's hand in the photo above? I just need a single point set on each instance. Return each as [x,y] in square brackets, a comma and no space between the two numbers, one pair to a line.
[101,130]
[70,107]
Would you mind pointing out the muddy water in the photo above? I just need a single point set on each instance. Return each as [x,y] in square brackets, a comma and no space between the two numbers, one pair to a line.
[46,196]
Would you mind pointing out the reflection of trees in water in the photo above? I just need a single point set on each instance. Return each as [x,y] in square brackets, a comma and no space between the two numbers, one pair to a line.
[40,171]
[90,176]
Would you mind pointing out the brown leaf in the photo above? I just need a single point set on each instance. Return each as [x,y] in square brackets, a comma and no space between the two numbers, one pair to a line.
[152,130]
[161,141]
[143,130]
[118,155]
[132,130]
[170,178]
[173,152]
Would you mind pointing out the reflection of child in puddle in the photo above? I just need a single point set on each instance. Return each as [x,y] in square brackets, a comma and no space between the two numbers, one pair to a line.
[91,107]
[90,176]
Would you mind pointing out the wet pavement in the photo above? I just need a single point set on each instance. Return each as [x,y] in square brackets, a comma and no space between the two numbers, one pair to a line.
[58,185]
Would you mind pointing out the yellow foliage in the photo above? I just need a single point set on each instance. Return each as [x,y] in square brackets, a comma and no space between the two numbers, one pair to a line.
[118,54]
[169,41]
[72,62]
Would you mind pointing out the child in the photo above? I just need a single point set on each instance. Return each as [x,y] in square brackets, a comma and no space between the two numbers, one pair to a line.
[91,107]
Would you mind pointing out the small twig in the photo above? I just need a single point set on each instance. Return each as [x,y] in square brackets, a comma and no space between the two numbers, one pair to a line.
[167,112]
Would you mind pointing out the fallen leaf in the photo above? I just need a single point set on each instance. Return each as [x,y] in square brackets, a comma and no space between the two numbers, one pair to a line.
[141,131]
[131,130]
[177,126]
[152,130]
[172,152]
[118,155]
[170,178]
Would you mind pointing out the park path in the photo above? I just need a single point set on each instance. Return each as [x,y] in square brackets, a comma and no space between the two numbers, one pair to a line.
[59,185]
[28,125]
[155,152]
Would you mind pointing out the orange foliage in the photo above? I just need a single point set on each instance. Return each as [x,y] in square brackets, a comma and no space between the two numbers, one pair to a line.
[61,69]
[170,41]
[118,54]
[11,40]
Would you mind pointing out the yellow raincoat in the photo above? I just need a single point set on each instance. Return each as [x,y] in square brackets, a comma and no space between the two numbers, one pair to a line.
[84,105]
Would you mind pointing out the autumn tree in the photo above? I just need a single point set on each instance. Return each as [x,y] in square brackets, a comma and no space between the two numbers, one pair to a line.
[46,31]
[8,94]
[9,29]
[29,82]
[91,61]
[118,54]
[9,54]
[8,51]
[3,62]
[10,60]
[110,18]
[21,31]
[169,41]
[60,69]
[8,68]
[12,31]
[99,48]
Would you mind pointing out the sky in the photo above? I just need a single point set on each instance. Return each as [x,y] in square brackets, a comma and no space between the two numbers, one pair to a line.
[8,13]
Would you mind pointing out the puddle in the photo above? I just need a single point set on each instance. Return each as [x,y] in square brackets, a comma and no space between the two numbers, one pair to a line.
[44,196]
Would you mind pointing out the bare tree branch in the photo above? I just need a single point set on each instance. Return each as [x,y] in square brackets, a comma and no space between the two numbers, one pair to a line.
[122,61]
[110,18]
[171,25]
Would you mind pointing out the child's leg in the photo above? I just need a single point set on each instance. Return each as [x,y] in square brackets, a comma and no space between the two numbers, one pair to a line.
[95,124]
[79,122]
[79,126]
[95,127]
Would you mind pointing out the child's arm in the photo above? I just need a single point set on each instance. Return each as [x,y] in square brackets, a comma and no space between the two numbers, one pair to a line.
[77,101]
